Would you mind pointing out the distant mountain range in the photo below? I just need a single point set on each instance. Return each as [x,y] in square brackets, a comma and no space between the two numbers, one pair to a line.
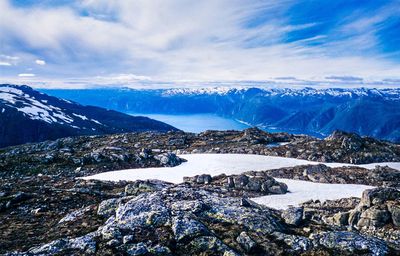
[371,112]
[27,115]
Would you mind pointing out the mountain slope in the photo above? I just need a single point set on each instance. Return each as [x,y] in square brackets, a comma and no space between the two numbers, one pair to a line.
[27,115]
[370,112]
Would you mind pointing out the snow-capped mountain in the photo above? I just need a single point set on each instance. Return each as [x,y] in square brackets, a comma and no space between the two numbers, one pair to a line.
[27,115]
[367,111]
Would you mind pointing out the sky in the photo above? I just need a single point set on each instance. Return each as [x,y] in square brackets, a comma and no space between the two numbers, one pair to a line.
[83,43]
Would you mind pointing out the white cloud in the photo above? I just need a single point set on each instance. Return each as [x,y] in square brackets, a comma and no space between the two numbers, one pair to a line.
[180,40]
[40,62]
[6,60]
[3,63]
[26,75]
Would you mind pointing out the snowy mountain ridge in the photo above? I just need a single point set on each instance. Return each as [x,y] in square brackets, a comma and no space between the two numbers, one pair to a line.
[38,109]
[393,93]
[27,115]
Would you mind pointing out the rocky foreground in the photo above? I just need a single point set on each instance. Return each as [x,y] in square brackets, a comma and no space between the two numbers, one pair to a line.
[45,210]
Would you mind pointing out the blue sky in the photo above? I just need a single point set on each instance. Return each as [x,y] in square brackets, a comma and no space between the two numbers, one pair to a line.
[123,42]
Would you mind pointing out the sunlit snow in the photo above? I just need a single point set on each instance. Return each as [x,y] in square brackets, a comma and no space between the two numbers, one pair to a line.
[215,164]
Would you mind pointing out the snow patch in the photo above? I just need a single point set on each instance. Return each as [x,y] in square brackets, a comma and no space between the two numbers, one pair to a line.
[81,116]
[214,164]
[301,191]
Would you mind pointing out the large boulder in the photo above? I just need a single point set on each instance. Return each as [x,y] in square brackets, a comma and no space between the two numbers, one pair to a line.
[352,242]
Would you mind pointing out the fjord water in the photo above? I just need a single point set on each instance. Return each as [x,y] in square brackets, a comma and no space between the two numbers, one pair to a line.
[201,122]
[197,122]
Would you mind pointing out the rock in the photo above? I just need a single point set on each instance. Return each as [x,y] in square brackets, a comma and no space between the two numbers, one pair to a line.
[142,211]
[186,229]
[176,142]
[354,217]
[374,216]
[113,243]
[73,216]
[137,249]
[377,196]
[240,181]
[280,188]
[297,243]
[352,242]
[246,242]
[107,207]
[293,215]
[159,250]
[168,159]
[85,244]
[230,183]
[127,239]
[316,173]
[207,245]
[204,179]
[341,218]
[395,213]
[144,186]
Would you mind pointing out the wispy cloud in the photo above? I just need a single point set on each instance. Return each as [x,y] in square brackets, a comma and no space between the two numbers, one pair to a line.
[175,40]
[40,62]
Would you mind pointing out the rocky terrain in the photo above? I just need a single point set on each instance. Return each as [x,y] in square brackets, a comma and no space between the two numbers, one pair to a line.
[46,210]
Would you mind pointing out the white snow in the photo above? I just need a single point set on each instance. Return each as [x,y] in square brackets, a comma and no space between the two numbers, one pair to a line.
[97,122]
[301,191]
[81,116]
[32,107]
[215,164]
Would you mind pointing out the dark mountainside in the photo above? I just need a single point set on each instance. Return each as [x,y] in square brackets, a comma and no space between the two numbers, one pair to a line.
[27,115]
[369,112]
[46,210]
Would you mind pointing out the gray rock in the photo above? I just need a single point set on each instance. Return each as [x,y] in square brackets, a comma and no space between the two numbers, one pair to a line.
[159,250]
[127,239]
[341,218]
[186,229]
[107,207]
[145,186]
[293,215]
[395,213]
[73,216]
[207,245]
[204,179]
[137,249]
[377,196]
[246,242]
[374,217]
[168,159]
[352,242]
[297,243]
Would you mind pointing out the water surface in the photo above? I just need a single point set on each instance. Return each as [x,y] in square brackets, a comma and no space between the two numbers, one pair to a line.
[197,122]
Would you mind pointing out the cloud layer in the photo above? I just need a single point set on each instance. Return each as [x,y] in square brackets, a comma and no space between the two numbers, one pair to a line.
[125,41]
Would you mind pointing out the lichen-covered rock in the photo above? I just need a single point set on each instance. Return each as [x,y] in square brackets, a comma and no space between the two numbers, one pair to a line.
[168,159]
[239,185]
[296,243]
[394,210]
[378,196]
[107,207]
[137,249]
[293,215]
[341,218]
[352,242]
[246,242]
[142,186]
[73,216]
[186,229]
[374,216]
